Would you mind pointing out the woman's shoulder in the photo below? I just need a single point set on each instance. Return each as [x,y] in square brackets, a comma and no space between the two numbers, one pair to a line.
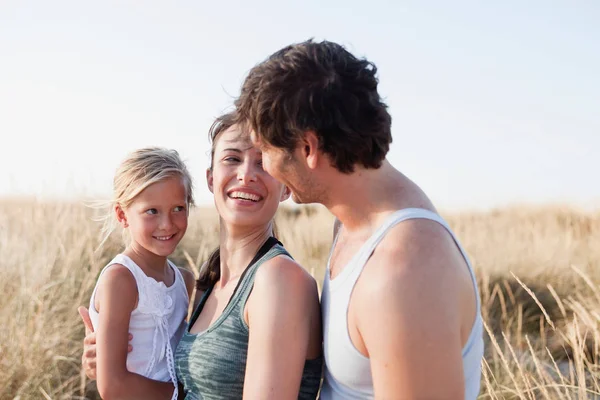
[284,291]
[282,272]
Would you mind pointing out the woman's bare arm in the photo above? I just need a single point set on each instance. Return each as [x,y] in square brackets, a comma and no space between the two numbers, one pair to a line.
[282,314]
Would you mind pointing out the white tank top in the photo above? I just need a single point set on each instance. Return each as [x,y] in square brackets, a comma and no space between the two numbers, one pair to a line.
[157,323]
[347,371]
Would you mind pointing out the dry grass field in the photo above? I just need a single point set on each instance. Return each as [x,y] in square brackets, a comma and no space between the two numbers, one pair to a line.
[538,271]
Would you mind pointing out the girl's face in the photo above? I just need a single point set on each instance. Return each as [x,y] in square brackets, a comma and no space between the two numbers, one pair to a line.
[245,194]
[158,217]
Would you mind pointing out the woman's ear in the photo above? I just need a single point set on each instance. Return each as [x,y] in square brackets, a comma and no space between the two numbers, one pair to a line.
[121,217]
[285,194]
[209,179]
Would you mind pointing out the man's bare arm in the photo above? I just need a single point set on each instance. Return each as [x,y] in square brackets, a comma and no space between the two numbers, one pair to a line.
[409,317]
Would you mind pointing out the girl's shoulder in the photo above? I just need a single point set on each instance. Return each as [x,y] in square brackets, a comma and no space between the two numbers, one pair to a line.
[117,283]
[188,278]
[117,272]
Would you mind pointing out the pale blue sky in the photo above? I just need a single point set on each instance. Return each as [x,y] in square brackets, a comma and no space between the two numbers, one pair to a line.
[492,104]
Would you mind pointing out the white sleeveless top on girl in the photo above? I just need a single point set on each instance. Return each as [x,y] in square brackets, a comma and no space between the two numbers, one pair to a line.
[157,323]
[347,371]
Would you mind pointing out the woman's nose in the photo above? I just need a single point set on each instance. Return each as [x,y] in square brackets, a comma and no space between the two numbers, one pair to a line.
[246,172]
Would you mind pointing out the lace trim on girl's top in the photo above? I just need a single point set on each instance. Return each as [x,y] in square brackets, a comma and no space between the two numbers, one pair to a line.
[162,328]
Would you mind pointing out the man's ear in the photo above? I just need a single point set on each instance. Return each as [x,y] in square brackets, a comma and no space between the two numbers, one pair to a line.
[311,149]
[121,217]
[209,179]
[285,194]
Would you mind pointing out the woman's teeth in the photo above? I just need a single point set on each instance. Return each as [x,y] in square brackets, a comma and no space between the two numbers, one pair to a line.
[245,196]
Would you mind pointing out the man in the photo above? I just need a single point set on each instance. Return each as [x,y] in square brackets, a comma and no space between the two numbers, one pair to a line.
[400,303]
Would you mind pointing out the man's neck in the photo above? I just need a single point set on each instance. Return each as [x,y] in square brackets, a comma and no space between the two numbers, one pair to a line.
[359,199]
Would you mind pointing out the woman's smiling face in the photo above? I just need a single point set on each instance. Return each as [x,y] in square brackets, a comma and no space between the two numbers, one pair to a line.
[245,194]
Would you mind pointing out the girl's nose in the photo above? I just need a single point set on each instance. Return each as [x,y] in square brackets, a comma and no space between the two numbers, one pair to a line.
[165,222]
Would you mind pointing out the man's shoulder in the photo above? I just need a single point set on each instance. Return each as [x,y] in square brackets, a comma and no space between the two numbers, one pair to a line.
[416,237]
[411,251]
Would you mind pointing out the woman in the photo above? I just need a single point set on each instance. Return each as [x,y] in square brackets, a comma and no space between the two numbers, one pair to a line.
[256,332]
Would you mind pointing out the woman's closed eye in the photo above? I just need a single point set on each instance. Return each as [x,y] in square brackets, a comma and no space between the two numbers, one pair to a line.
[231,159]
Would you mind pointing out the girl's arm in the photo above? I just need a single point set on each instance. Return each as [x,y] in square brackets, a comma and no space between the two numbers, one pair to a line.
[116,299]
[283,316]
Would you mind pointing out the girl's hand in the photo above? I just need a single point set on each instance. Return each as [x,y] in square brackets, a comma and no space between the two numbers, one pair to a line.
[88,359]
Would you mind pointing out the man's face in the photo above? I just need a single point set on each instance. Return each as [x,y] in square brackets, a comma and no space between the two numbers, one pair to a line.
[286,168]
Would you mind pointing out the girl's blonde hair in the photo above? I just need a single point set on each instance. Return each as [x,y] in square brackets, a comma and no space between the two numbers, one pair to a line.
[140,169]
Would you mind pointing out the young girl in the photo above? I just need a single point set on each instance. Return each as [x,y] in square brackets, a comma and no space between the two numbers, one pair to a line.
[140,291]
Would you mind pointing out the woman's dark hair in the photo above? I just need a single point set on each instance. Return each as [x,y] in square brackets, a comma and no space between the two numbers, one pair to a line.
[220,125]
[211,271]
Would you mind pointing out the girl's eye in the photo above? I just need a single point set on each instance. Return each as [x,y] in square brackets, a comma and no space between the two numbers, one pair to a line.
[152,211]
[179,208]
[260,163]
[231,159]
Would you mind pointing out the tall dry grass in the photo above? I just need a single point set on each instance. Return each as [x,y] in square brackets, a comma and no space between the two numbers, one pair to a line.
[538,271]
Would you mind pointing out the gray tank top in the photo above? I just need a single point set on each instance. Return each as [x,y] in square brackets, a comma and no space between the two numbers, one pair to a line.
[212,364]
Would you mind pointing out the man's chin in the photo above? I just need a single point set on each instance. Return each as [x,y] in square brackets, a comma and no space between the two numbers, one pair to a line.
[296,199]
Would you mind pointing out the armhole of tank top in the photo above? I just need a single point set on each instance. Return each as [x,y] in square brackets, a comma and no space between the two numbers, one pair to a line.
[93,297]
[133,268]
[478,319]
[179,277]
[463,252]
[421,213]
[199,308]
[333,243]
[441,221]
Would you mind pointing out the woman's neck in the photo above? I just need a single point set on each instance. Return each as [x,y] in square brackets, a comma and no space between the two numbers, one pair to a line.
[237,248]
